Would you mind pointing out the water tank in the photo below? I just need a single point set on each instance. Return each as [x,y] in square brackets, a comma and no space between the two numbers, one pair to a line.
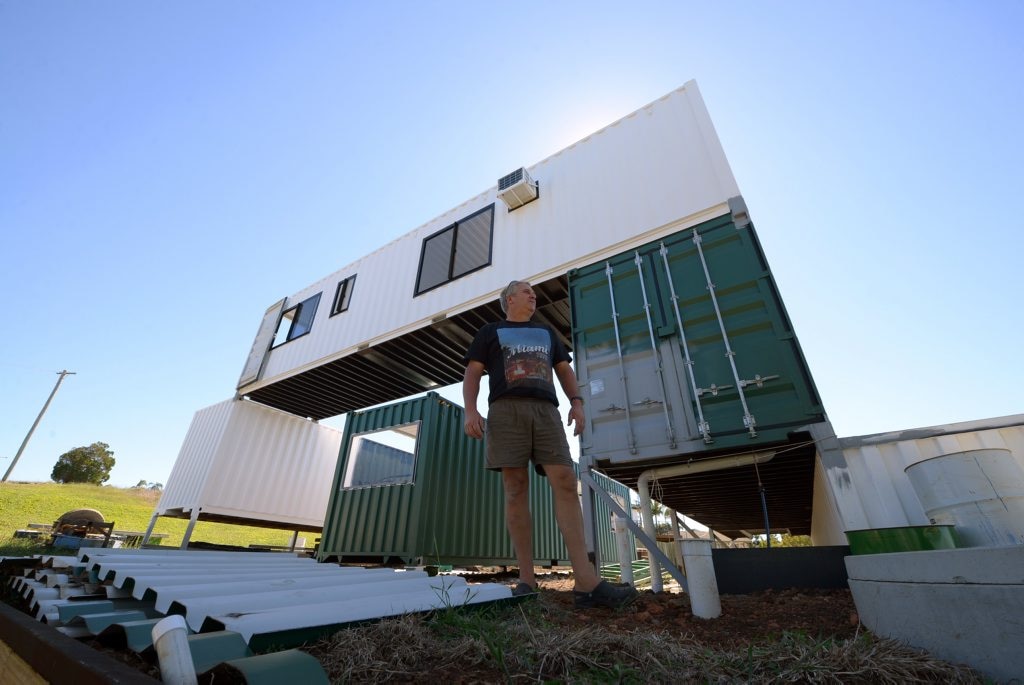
[981,492]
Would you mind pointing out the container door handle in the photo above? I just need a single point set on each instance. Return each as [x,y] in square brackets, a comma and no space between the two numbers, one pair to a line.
[669,433]
[702,425]
[622,365]
[748,418]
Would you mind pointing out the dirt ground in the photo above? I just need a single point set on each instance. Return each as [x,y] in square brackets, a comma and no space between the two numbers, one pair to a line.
[745,618]
[769,636]
[402,650]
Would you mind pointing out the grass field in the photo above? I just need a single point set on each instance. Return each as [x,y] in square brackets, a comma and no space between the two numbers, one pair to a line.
[127,508]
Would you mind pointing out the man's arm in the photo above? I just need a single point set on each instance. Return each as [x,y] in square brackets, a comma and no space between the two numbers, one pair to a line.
[474,425]
[567,379]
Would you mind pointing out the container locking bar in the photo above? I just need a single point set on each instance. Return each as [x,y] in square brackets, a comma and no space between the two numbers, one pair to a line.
[713,390]
[622,364]
[757,380]
[748,418]
[702,425]
[655,356]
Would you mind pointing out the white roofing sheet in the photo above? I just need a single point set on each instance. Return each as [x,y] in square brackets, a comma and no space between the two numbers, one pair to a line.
[254,594]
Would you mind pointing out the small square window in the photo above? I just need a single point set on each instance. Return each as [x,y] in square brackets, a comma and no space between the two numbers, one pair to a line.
[297,321]
[343,295]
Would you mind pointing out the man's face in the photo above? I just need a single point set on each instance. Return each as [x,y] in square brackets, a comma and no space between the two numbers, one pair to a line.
[522,302]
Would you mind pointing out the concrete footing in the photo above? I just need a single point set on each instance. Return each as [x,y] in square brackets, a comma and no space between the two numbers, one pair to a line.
[960,605]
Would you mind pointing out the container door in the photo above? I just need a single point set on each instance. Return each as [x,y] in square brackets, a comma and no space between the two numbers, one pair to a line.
[749,376]
[685,346]
[261,345]
[634,400]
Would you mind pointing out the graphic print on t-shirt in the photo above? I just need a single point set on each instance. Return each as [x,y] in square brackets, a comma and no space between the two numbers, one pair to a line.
[527,356]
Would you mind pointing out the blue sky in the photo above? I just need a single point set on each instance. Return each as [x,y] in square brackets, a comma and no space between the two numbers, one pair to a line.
[169,170]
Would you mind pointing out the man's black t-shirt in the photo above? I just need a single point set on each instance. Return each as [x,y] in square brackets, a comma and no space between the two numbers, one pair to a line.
[519,357]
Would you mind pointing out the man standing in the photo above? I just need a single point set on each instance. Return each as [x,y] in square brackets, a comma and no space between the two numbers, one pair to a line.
[523,425]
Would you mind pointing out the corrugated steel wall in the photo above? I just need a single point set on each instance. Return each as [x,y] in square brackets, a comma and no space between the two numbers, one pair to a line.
[245,460]
[454,510]
[606,545]
[878,493]
[630,405]
[654,171]
[184,486]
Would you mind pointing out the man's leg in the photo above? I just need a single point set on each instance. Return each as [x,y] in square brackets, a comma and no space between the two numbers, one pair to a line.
[570,521]
[518,520]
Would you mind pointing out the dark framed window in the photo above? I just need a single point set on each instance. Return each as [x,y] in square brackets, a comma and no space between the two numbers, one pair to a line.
[343,295]
[455,251]
[297,321]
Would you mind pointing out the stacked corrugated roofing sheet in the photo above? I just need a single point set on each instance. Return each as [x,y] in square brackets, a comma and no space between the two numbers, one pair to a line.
[234,603]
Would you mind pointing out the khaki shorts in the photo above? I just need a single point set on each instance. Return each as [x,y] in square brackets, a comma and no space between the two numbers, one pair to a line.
[521,430]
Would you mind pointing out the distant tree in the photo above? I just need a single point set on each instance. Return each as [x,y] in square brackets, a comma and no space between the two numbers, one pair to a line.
[90,464]
[662,520]
[788,540]
[783,540]
[156,486]
[148,485]
[141,484]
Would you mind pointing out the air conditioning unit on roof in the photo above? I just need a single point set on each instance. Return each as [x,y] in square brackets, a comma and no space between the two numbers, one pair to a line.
[517,188]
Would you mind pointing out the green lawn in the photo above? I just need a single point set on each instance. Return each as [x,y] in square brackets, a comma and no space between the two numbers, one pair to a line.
[128,508]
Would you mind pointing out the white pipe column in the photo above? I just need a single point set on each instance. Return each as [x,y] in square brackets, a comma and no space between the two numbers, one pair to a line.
[700,574]
[682,470]
[621,531]
[170,638]
[677,534]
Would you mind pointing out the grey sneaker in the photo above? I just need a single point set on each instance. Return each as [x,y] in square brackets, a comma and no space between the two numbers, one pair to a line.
[523,589]
[606,595]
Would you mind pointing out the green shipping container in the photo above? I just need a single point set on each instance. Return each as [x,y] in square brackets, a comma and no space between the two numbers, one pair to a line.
[411,485]
[683,346]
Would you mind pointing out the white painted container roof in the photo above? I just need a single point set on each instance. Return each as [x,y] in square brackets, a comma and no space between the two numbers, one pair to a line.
[657,170]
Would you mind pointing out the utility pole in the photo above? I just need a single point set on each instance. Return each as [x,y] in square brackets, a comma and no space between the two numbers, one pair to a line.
[38,419]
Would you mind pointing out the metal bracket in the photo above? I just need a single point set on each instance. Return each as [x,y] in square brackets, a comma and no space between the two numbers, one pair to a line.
[713,390]
[646,402]
[612,408]
[740,215]
[757,380]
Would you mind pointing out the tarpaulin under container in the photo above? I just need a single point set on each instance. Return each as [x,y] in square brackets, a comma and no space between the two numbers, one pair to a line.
[410,485]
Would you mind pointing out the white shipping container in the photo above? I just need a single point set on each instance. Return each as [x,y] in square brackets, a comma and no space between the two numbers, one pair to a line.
[653,172]
[245,462]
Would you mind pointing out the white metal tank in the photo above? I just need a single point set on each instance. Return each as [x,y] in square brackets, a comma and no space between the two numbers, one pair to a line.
[981,492]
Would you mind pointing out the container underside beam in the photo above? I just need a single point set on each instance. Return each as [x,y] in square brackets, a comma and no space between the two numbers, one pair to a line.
[424,359]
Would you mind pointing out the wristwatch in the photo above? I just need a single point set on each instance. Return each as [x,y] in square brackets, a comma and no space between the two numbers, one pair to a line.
[576,397]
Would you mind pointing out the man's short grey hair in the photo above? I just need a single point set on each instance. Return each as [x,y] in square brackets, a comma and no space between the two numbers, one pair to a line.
[507,292]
